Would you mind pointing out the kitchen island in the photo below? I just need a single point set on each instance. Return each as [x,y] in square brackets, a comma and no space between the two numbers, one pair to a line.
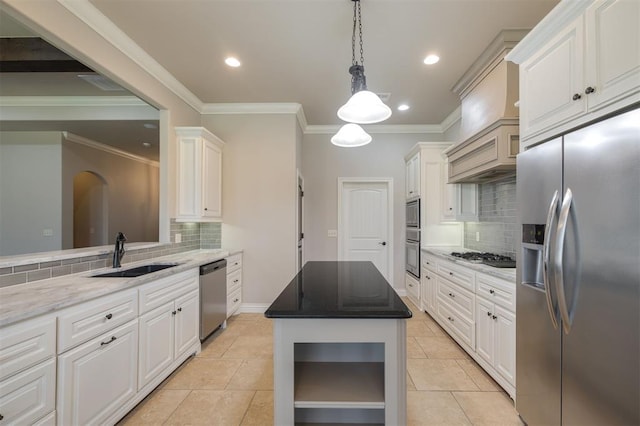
[339,347]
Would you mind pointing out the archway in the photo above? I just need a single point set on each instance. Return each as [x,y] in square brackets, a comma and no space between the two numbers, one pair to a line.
[90,201]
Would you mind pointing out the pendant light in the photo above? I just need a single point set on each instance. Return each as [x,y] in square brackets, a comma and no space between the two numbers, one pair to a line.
[351,135]
[364,107]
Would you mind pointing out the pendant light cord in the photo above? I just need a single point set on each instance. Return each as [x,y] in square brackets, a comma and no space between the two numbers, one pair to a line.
[357,22]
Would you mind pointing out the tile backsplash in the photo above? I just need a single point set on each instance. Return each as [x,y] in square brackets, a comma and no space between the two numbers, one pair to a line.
[498,219]
[194,236]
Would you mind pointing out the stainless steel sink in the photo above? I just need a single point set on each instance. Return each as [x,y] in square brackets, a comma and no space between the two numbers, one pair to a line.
[137,271]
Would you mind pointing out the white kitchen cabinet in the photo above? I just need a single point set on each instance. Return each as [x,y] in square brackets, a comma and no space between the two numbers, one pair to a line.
[428,283]
[96,378]
[27,371]
[169,324]
[459,201]
[412,285]
[166,333]
[413,177]
[234,283]
[199,175]
[590,67]
[496,337]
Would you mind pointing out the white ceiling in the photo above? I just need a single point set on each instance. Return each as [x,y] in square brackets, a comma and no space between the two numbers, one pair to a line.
[291,51]
[300,50]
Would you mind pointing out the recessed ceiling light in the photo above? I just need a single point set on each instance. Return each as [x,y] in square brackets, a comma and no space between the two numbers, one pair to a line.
[431,59]
[403,107]
[232,62]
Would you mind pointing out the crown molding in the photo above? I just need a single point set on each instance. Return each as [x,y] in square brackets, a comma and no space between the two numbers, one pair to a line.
[556,20]
[378,129]
[91,16]
[258,108]
[106,148]
[71,101]
[451,119]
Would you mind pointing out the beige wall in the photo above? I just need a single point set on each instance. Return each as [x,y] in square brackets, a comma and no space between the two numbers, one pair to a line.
[322,165]
[259,198]
[65,30]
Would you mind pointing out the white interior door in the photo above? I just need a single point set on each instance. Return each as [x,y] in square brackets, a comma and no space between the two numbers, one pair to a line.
[364,225]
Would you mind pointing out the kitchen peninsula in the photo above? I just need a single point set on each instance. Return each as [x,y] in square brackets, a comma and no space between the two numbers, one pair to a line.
[339,347]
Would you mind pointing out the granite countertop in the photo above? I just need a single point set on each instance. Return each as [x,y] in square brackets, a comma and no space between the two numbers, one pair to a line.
[338,290]
[508,274]
[24,301]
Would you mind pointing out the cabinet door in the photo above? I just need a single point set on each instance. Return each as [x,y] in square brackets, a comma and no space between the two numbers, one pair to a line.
[467,202]
[550,79]
[505,335]
[98,377]
[448,195]
[485,326]
[186,322]
[189,176]
[428,284]
[156,343]
[29,395]
[212,181]
[613,51]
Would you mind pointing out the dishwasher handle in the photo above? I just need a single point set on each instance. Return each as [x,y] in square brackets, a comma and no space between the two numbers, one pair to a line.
[212,267]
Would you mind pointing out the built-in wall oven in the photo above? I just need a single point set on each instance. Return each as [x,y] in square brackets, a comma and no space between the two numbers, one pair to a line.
[412,243]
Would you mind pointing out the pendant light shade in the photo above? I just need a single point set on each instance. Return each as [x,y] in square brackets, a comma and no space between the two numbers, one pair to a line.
[364,107]
[351,135]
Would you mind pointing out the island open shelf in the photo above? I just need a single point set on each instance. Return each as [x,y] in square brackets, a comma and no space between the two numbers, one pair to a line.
[339,347]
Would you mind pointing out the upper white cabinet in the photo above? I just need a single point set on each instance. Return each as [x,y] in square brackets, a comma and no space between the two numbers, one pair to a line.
[588,68]
[199,175]
[459,201]
[413,176]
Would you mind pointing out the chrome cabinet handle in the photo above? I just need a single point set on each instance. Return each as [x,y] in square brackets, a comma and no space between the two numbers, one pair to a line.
[559,269]
[546,254]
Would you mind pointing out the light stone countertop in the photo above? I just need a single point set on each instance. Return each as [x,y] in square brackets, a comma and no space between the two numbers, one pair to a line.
[24,301]
[508,274]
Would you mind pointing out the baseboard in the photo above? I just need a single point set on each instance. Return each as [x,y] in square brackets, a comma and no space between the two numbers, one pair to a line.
[253,308]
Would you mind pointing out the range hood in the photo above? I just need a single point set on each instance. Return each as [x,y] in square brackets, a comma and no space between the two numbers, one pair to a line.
[489,131]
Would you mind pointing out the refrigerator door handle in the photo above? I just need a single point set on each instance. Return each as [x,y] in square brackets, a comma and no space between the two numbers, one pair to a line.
[546,254]
[559,272]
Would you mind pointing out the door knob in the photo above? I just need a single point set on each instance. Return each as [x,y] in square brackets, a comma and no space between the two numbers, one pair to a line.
[384,243]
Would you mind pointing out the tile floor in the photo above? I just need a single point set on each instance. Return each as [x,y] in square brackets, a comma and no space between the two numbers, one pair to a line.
[231,381]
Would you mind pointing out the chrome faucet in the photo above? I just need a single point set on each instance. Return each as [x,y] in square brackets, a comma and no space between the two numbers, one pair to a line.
[118,252]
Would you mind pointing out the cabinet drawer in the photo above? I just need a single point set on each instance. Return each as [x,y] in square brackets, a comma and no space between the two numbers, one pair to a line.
[25,344]
[461,327]
[459,298]
[233,302]
[234,262]
[412,286]
[457,274]
[166,289]
[88,320]
[429,262]
[496,290]
[28,396]
[234,281]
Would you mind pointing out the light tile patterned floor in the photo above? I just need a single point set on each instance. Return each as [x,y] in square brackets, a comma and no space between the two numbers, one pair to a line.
[231,381]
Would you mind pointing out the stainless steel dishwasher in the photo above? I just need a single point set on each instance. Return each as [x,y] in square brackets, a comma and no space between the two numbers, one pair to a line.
[213,296]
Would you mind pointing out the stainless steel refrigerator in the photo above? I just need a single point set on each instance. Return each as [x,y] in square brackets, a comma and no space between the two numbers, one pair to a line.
[578,277]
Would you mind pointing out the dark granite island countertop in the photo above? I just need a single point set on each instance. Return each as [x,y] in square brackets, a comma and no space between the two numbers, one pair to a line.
[339,346]
[338,290]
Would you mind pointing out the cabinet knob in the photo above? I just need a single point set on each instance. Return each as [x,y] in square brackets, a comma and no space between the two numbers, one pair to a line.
[577,96]
[427,277]
[452,295]
[589,90]
[109,316]
[492,291]
[236,300]
[205,209]
[488,314]
[235,281]
[106,343]
[450,319]
[1,417]
[450,208]
[451,273]
[494,317]
[174,312]
[179,309]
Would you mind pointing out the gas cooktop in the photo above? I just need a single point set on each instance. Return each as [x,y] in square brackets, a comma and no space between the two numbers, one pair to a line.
[490,259]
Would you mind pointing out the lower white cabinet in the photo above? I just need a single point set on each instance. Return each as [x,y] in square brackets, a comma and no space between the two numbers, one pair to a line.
[496,337]
[412,285]
[234,283]
[96,378]
[165,334]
